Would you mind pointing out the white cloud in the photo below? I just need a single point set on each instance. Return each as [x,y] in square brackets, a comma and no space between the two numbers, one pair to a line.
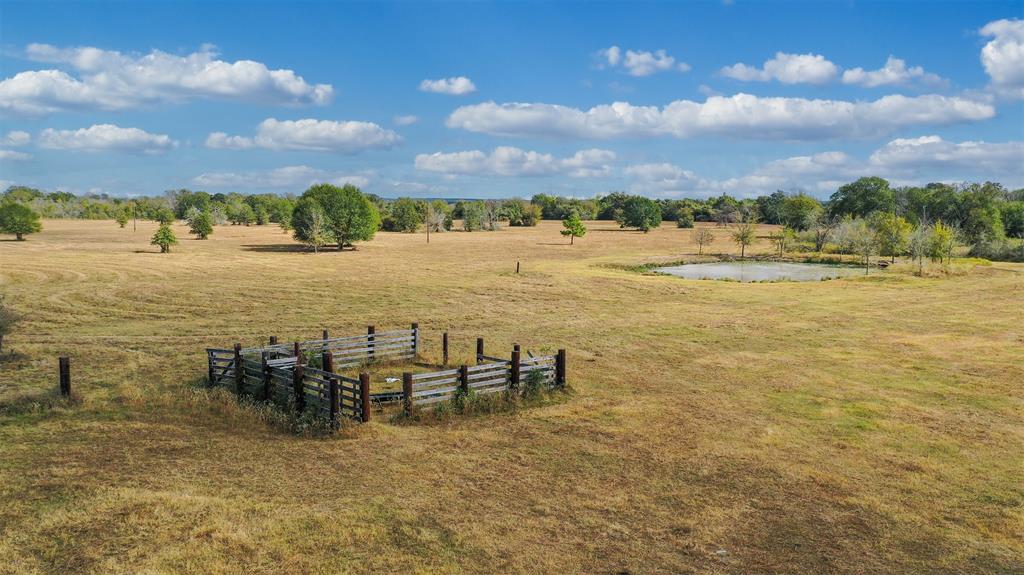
[510,161]
[906,161]
[786,68]
[640,63]
[455,86]
[1003,56]
[294,178]
[895,72]
[934,153]
[405,120]
[13,156]
[111,80]
[741,115]
[310,135]
[15,138]
[105,137]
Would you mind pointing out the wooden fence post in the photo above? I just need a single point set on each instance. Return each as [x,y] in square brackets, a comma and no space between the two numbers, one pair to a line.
[407,393]
[415,340]
[370,330]
[479,349]
[209,360]
[464,378]
[516,357]
[297,375]
[266,375]
[364,396]
[273,340]
[64,375]
[239,370]
[333,388]
[444,346]
[560,368]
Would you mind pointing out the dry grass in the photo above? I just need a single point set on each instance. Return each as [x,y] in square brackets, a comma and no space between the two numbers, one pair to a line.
[868,425]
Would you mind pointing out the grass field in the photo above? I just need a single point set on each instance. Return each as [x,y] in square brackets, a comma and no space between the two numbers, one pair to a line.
[867,425]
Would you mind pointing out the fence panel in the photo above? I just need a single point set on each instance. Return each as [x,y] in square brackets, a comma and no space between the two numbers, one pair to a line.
[544,364]
[221,366]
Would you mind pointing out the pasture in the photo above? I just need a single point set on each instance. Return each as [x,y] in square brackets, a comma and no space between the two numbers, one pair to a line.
[864,425]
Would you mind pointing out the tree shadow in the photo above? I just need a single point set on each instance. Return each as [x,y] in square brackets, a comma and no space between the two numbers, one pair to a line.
[291,249]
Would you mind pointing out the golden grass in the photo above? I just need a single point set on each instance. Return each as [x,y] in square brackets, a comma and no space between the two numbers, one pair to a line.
[866,425]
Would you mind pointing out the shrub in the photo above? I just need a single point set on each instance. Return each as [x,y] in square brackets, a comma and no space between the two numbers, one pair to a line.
[685,218]
[19,219]
[165,238]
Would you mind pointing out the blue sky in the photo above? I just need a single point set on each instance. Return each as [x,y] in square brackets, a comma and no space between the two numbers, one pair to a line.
[509,99]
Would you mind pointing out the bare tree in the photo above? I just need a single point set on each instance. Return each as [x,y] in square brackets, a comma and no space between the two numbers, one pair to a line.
[702,237]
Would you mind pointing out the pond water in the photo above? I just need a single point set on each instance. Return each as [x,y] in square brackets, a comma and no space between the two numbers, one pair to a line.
[760,271]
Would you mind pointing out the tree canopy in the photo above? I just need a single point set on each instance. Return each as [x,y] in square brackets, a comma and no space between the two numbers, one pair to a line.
[350,216]
[19,219]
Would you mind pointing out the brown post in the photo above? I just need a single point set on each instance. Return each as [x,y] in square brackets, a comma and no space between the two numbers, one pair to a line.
[300,396]
[266,375]
[273,340]
[479,348]
[209,376]
[239,370]
[517,266]
[464,378]
[415,340]
[444,345]
[326,335]
[364,396]
[407,392]
[516,353]
[560,368]
[370,330]
[64,375]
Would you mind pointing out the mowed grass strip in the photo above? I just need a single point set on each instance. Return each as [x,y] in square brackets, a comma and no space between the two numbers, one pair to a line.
[865,425]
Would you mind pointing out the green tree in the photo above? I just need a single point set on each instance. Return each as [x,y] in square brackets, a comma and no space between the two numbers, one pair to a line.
[439,216]
[702,237]
[350,215]
[574,227]
[919,244]
[19,219]
[799,211]
[943,242]
[473,216]
[1013,219]
[122,214]
[200,224]
[684,218]
[639,212]
[744,236]
[892,233]
[163,215]
[406,215]
[310,224]
[861,198]
[165,238]
[782,238]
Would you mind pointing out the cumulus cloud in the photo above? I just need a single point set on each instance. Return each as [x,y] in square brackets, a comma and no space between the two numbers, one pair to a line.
[741,115]
[905,160]
[510,161]
[895,72]
[1003,56]
[295,178]
[787,69]
[309,135]
[455,86]
[105,138]
[405,120]
[15,138]
[111,80]
[13,156]
[640,63]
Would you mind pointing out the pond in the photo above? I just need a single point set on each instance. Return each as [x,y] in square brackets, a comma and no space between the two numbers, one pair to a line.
[753,271]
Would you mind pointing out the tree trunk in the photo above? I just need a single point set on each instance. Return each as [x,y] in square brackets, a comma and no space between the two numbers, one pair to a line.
[700,249]
[19,237]
[572,239]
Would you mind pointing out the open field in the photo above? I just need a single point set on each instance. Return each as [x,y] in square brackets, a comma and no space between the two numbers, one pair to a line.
[868,425]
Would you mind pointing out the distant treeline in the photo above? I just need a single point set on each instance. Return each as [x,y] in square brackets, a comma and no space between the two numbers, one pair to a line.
[982,214]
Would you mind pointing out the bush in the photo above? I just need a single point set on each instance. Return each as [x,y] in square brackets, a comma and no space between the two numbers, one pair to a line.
[165,238]
[684,218]
[19,219]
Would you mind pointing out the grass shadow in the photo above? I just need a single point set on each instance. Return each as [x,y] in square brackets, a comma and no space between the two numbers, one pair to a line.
[291,249]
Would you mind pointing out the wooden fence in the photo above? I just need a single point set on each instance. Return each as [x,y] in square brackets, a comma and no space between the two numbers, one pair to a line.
[279,373]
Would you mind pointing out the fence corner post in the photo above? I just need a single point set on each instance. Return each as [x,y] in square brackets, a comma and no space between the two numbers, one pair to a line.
[364,396]
[209,375]
[464,378]
[516,358]
[407,393]
[297,375]
[239,370]
[444,347]
[560,368]
[64,375]
[479,349]
[266,375]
